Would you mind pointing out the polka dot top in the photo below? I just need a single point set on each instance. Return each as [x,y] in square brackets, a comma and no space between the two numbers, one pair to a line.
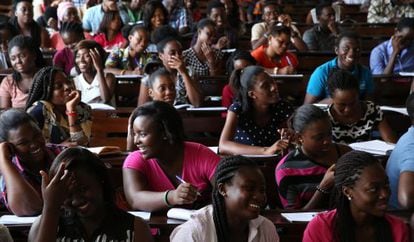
[250,133]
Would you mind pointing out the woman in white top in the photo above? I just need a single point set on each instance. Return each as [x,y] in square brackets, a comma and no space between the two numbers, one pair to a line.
[238,197]
[94,84]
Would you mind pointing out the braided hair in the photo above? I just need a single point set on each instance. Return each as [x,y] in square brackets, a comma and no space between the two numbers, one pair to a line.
[347,171]
[225,171]
[41,88]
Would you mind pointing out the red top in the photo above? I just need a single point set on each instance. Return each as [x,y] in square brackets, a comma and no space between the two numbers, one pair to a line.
[118,41]
[262,59]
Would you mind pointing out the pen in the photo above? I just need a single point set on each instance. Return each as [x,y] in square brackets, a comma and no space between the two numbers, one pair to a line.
[182,181]
[288,60]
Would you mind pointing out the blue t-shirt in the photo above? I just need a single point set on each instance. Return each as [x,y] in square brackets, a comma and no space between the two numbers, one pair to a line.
[318,82]
[401,159]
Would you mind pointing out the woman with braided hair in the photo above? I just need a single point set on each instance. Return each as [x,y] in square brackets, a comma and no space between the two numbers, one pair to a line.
[238,196]
[361,203]
[55,103]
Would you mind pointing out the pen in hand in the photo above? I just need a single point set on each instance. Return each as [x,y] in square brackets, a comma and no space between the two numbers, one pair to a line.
[182,181]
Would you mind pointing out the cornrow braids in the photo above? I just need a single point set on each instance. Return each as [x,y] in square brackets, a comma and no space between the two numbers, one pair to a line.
[347,171]
[41,88]
[224,173]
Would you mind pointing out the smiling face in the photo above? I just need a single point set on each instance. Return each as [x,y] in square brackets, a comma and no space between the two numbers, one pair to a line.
[370,193]
[28,143]
[24,12]
[279,43]
[264,90]
[316,138]
[62,87]
[139,40]
[22,60]
[163,89]
[148,137]
[348,52]
[84,60]
[270,14]
[158,18]
[218,15]
[86,196]
[245,195]
[115,23]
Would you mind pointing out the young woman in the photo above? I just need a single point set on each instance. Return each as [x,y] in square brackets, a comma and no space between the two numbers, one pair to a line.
[153,175]
[24,24]
[23,154]
[305,176]
[70,33]
[187,88]
[361,204]
[202,58]
[56,106]
[133,58]
[274,56]
[109,33]
[354,120]
[348,51]
[5,37]
[155,15]
[161,87]
[254,124]
[26,59]
[237,61]
[92,82]
[238,196]
[79,204]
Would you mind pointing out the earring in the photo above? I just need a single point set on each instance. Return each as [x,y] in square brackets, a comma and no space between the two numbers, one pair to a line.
[164,138]
[223,194]
[349,198]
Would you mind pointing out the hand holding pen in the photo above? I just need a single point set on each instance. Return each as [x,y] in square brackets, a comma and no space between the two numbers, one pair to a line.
[184,194]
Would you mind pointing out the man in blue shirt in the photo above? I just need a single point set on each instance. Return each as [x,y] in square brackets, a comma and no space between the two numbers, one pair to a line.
[396,54]
[400,166]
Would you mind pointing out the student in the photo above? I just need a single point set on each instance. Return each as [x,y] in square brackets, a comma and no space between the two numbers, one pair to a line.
[348,51]
[161,87]
[70,33]
[56,106]
[254,124]
[25,59]
[202,58]
[109,32]
[396,54]
[274,56]
[400,166]
[132,59]
[79,204]
[24,24]
[155,15]
[92,82]
[361,204]
[238,197]
[187,88]
[237,61]
[178,16]
[23,154]
[352,119]
[151,174]
[305,176]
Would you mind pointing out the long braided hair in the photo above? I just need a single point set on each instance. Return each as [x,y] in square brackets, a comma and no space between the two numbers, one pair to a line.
[225,171]
[42,85]
[348,170]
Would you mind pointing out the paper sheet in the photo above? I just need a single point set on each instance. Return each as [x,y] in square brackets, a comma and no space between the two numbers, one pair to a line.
[300,217]
[13,219]
[141,214]
[376,147]
[180,213]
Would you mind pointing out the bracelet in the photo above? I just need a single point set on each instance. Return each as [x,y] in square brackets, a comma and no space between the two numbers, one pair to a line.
[75,136]
[166,199]
[71,113]
[321,190]
[123,72]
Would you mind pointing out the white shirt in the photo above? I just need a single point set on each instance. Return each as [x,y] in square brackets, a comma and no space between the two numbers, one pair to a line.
[201,228]
[90,93]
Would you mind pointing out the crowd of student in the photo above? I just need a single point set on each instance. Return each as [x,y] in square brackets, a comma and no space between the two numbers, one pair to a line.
[44,171]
